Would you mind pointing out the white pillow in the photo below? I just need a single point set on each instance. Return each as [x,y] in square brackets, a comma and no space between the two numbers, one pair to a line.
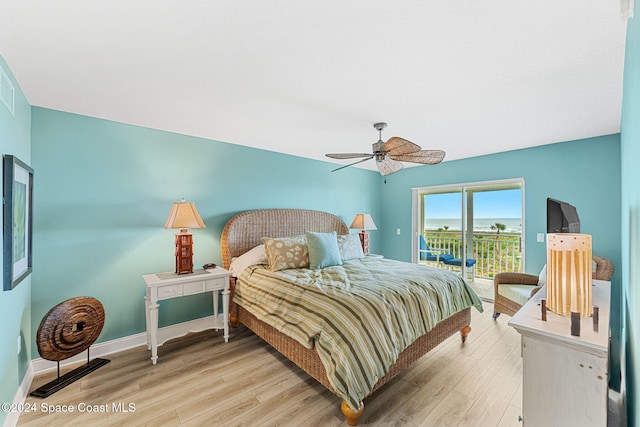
[350,247]
[257,255]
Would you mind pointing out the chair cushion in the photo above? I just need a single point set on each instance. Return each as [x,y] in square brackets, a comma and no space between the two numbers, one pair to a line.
[434,257]
[458,261]
[542,277]
[517,293]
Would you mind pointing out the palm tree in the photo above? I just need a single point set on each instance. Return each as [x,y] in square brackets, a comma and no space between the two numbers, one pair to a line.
[498,227]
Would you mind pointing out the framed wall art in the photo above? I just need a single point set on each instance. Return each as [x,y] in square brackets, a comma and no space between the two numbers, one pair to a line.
[17,188]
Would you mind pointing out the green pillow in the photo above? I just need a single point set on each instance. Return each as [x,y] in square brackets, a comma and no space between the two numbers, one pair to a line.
[323,249]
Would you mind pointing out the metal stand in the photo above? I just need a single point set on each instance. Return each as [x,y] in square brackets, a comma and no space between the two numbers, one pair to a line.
[575,324]
[70,377]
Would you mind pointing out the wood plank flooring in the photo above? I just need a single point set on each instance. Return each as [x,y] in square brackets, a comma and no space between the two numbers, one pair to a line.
[199,380]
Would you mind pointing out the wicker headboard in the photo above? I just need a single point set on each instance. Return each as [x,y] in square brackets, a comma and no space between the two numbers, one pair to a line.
[246,230]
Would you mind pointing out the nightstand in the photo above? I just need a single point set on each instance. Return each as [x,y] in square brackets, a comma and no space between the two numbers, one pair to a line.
[163,286]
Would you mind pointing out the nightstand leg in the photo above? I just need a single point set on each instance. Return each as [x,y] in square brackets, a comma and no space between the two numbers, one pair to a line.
[216,314]
[225,313]
[153,320]
[147,321]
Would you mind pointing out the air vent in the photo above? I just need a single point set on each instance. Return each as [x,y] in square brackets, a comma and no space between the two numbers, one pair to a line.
[7,91]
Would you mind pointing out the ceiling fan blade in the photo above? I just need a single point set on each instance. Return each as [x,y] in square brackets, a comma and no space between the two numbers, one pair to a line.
[354,163]
[397,146]
[388,166]
[348,155]
[425,157]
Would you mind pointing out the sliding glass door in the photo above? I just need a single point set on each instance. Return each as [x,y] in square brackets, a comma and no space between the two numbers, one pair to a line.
[475,228]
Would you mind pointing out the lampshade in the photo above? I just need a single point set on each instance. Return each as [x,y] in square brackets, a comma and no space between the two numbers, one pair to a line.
[184,215]
[569,274]
[363,221]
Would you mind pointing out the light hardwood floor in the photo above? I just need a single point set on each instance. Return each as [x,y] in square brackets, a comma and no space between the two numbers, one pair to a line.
[199,380]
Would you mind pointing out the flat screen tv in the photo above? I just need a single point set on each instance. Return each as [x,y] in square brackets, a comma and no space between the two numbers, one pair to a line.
[562,217]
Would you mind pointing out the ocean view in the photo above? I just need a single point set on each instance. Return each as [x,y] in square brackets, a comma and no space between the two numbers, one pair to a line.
[514,225]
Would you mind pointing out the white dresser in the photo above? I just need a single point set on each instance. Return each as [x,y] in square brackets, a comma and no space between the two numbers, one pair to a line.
[564,377]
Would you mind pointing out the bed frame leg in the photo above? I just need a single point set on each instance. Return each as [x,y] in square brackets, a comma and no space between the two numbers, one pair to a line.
[351,415]
[234,321]
[464,332]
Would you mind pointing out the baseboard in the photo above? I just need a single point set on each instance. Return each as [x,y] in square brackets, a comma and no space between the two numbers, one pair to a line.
[21,394]
[616,410]
[125,343]
[39,366]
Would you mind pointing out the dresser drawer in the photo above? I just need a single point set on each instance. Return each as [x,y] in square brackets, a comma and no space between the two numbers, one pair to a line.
[169,291]
[214,284]
[194,287]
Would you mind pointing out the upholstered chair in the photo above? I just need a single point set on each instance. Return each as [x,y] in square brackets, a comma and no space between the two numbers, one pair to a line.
[512,290]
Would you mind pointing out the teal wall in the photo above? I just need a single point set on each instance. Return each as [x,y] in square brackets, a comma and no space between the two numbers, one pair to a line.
[104,191]
[579,172]
[630,219]
[585,173]
[15,305]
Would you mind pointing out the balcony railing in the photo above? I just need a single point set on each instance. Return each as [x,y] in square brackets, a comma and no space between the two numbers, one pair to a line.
[494,252]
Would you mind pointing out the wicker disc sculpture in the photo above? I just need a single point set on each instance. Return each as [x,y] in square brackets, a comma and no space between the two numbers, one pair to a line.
[70,328]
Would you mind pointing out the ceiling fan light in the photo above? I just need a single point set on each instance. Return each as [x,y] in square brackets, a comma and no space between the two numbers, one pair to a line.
[388,166]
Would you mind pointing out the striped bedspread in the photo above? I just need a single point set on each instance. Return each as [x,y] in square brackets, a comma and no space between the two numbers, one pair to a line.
[359,316]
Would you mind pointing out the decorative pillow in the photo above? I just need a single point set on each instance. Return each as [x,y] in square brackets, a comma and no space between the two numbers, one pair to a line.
[286,252]
[542,278]
[323,250]
[257,255]
[350,247]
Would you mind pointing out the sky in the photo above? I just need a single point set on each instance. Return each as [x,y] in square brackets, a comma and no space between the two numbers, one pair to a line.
[486,204]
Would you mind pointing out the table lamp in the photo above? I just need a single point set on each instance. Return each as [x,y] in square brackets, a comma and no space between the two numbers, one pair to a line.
[569,276]
[184,215]
[364,222]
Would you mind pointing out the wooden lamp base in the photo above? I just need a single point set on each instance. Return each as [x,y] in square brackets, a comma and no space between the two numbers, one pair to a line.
[364,241]
[184,252]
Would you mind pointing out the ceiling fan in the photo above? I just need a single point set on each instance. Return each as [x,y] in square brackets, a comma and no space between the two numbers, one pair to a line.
[389,154]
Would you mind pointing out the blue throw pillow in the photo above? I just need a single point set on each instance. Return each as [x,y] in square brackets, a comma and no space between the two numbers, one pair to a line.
[323,249]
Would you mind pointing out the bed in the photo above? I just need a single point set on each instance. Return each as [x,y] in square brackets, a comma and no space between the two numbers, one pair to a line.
[246,230]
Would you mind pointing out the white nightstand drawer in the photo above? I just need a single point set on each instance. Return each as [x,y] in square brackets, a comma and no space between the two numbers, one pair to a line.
[193,288]
[169,291]
[213,284]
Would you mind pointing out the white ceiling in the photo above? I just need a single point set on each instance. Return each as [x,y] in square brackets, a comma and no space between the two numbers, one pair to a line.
[311,77]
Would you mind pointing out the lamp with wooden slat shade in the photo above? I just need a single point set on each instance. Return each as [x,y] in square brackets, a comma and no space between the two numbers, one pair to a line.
[184,215]
[569,275]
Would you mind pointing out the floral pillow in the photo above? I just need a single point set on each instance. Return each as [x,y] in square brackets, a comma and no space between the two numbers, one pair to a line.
[350,247]
[287,252]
